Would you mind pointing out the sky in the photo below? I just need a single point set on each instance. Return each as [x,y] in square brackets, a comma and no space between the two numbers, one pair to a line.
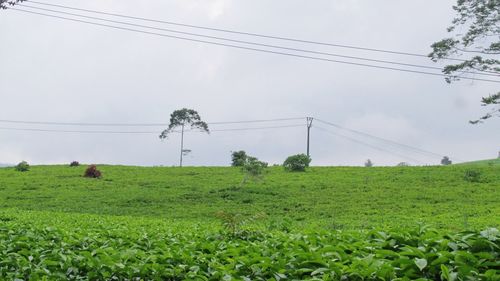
[54,70]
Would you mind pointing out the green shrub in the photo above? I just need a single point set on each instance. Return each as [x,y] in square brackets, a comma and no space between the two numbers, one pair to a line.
[297,163]
[92,172]
[253,167]
[446,161]
[23,166]
[238,158]
[472,175]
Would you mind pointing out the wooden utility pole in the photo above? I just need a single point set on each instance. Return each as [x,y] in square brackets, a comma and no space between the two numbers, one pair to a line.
[309,125]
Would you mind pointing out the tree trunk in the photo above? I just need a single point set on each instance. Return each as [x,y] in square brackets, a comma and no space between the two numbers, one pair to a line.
[182,144]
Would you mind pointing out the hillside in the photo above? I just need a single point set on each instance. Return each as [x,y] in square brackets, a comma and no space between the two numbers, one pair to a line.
[326,197]
[489,162]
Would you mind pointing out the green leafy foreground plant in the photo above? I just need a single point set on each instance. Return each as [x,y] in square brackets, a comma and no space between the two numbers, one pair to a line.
[122,252]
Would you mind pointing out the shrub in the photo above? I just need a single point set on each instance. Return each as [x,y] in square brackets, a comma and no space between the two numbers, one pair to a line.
[368,163]
[446,161]
[23,166]
[92,172]
[74,164]
[253,167]
[472,175]
[297,163]
[238,158]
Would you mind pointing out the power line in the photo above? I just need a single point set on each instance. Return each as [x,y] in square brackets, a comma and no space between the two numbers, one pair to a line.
[369,145]
[142,124]
[416,149]
[251,43]
[142,132]
[252,49]
[242,33]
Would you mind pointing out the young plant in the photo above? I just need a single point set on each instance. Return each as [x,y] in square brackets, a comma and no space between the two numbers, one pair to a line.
[253,169]
[235,223]
[472,175]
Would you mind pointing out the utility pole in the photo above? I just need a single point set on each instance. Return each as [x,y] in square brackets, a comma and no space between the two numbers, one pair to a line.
[309,125]
[182,144]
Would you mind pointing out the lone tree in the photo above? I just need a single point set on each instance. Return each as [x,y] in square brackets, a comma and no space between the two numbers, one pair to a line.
[368,163]
[475,35]
[446,161]
[184,118]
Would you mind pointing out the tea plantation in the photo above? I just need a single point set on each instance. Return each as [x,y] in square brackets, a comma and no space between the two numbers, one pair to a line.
[329,223]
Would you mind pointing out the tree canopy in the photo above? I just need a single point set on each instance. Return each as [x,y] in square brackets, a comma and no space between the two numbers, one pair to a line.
[182,118]
[475,37]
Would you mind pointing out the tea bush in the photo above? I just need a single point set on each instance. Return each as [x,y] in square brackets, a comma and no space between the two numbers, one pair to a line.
[116,251]
[472,175]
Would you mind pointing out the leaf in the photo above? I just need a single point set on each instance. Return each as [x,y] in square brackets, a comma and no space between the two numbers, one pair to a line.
[421,263]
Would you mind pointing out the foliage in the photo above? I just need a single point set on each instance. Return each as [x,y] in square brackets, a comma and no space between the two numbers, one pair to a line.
[238,158]
[368,163]
[475,35]
[472,175]
[119,249]
[4,4]
[253,168]
[74,164]
[350,197]
[234,223]
[493,100]
[185,117]
[22,167]
[92,172]
[446,161]
[297,163]
[403,164]
[182,118]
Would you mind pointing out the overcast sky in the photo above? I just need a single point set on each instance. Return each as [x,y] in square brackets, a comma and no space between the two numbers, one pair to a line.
[62,71]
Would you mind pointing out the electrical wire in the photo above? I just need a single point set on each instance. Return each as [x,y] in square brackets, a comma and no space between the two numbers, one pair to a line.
[250,43]
[416,149]
[241,33]
[142,124]
[251,49]
[143,132]
[369,145]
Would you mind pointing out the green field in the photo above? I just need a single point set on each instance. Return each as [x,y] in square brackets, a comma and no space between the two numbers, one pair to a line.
[330,223]
[343,197]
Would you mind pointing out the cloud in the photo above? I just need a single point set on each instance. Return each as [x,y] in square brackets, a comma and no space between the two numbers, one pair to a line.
[53,70]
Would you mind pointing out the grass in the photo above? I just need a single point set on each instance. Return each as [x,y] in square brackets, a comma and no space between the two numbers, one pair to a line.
[323,197]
